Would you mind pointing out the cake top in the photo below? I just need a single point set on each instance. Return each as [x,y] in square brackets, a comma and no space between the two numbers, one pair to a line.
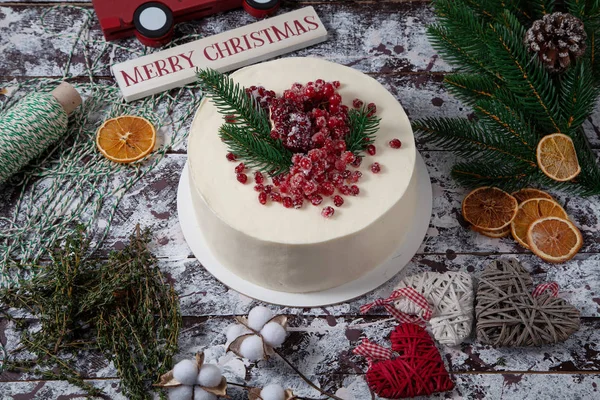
[324,175]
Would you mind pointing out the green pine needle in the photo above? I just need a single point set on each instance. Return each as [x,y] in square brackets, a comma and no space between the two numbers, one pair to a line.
[363,129]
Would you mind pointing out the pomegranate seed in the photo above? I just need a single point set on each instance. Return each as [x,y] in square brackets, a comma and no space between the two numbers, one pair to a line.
[287,202]
[335,99]
[259,188]
[327,189]
[334,108]
[268,189]
[340,165]
[348,157]
[354,190]
[259,178]
[328,90]
[336,84]
[357,103]
[306,164]
[319,82]
[376,168]
[357,161]
[310,188]
[316,200]
[262,198]
[240,168]
[338,201]
[372,108]
[395,143]
[276,197]
[354,177]
[309,91]
[345,190]
[242,178]
[371,149]
[340,145]
[231,157]
[328,212]
[298,201]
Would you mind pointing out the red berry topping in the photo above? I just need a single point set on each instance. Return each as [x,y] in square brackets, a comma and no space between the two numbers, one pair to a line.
[328,90]
[287,202]
[231,157]
[355,177]
[338,201]
[395,143]
[376,168]
[298,201]
[316,200]
[328,212]
[262,198]
[357,103]
[259,188]
[336,84]
[240,168]
[268,189]
[327,189]
[345,190]
[354,190]
[357,161]
[371,149]
[335,99]
[259,178]
[276,197]
[306,164]
[348,157]
[372,109]
[242,178]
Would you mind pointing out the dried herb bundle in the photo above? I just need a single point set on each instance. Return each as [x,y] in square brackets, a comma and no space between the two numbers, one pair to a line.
[121,308]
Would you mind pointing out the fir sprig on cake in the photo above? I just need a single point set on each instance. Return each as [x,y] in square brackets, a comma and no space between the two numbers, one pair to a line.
[300,146]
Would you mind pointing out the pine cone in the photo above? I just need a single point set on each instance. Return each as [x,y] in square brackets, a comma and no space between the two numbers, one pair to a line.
[558,39]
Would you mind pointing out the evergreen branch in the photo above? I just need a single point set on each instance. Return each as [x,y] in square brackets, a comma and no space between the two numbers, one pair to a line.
[524,75]
[499,174]
[505,121]
[257,153]
[363,129]
[470,140]
[578,96]
[470,87]
[231,100]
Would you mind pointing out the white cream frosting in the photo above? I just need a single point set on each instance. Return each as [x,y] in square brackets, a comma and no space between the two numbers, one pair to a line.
[294,250]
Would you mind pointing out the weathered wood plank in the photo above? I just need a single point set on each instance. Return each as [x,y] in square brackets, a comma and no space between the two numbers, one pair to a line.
[372,37]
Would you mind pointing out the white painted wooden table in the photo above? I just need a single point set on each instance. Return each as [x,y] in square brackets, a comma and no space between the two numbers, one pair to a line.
[385,39]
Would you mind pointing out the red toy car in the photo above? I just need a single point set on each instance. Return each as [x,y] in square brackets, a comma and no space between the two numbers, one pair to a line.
[152,21]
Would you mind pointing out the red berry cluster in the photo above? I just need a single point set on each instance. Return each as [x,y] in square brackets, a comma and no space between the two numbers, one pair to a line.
[311,121]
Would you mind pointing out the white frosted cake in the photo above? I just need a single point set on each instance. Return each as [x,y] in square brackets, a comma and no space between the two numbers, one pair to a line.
[298,250]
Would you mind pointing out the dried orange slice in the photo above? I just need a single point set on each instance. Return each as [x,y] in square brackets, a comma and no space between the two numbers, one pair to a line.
[531,210]
[489,208]
[557,158]
[126,139]
[530,193]
[554,239]
[504,232]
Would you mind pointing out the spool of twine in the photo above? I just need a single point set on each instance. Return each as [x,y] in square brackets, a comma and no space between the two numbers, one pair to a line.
[32,125]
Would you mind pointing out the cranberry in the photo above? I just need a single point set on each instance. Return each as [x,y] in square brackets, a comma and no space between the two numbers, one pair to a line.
[371,149]
[328,212]
[262,198]
[340,165]
[328,90]
[340,145]
[231,157]
[372,108]
[309,91]
[298,201]
[240,168]
[336,84]
[354,190]
[354,177]
[376,168]
[259,188]
[258,177]
[335,99]
[242,178]
[395,143]
[346,174]
[306,164]
[334,108]
[348,157]
[338,201]
[287,202]
[357,161]
[268,189]
[316,200]
[345,190]
[319,82]
[327,189]
[310,188]
[357,103]
[276,197]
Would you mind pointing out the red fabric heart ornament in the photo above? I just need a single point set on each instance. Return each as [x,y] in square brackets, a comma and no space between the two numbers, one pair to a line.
[416,369]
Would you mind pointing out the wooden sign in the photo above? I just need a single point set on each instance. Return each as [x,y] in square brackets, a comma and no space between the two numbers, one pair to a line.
[224,52]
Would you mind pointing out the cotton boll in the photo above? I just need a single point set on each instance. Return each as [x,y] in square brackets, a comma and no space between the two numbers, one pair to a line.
[273,392]
[252,348]
[210,376]
[235,331]
[274,334]
[258,317]
[201,394]
[181,393]
[186,372]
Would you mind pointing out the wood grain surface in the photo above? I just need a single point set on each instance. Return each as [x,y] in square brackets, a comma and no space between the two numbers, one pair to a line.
[387,40]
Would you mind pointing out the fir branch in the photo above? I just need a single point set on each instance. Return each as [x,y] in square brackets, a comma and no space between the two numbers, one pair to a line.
[471,88]
[231,100]
[578,96]
[363,128]
[508,177]
[471,140]
[267,156]
[524,75]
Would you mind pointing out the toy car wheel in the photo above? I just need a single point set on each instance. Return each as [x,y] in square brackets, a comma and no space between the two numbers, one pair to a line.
[261,8]
[153,22]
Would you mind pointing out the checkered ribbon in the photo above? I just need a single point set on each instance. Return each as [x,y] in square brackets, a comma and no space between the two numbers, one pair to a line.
[412,295]
[551,287]
[372,351]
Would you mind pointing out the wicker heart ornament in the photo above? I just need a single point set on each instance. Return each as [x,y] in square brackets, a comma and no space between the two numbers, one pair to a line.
[510,313]
[450,295]
[413,367]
